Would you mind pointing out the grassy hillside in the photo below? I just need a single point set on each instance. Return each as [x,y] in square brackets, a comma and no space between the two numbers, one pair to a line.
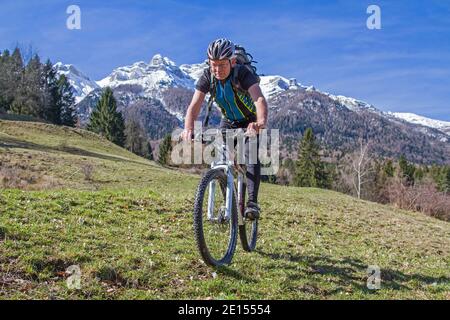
[128,224]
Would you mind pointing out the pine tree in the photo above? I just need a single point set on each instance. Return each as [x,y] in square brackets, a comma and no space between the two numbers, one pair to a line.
[11,74]
[50,92]
[17,63]
[377,179]
[443,180]
[446,178]
[66,102]
[406,170]
[328,174]
[5,100]
[165,149]
[106,120]
[310,170]
[29,98]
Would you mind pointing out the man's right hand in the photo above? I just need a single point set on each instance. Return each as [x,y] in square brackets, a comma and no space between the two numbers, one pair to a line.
[187,135]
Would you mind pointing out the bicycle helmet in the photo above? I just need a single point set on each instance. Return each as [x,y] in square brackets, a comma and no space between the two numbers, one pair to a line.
[221,49]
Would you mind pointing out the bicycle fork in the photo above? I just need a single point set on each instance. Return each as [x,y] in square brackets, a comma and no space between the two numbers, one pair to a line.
[240,187]
[229,199]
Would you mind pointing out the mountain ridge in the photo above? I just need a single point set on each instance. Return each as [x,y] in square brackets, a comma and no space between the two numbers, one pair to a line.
[161,73]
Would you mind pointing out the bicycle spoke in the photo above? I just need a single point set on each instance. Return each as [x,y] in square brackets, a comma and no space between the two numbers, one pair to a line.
[216,230]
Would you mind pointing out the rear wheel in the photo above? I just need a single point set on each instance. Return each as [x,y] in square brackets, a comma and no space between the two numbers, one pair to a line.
[216,238]
[248,232]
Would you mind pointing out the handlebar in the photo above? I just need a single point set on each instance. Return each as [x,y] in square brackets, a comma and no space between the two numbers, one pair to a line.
[199,136]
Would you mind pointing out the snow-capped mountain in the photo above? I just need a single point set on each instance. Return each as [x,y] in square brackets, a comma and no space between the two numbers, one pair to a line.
[353,104]
[150,80]
[358,105]
[272,85]
[443,126]
[81,84]
[194,70]
[161,73]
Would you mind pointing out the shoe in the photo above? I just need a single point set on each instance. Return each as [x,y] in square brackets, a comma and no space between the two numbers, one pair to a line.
[252,211]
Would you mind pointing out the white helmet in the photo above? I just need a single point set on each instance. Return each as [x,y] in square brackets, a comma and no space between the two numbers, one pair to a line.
[221,49]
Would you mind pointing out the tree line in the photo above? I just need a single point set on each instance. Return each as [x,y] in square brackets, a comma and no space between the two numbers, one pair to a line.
[359,173]
[35,89]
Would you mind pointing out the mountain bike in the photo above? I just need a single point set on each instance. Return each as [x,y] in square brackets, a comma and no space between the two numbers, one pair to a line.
[219,209]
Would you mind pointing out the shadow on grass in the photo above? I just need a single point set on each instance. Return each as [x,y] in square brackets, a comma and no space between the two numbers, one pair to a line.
[234,274]
[346,272]
[14,143]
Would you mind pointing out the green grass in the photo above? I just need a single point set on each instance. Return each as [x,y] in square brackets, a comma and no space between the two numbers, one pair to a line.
[129,229]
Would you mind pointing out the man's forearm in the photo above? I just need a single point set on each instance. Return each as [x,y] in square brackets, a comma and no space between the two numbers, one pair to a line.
[193,110]
[189,121]
[261,111]
[260,103]
[191,116]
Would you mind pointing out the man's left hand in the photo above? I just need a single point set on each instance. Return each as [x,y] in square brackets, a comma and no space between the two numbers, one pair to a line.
[253,128]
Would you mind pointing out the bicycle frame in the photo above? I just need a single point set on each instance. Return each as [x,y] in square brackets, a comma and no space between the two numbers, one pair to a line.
[229,167]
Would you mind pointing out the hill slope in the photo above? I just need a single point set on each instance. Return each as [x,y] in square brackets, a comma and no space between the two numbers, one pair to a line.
[129,229]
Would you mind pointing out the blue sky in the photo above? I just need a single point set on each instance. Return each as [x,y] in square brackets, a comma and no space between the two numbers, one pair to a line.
[403,67]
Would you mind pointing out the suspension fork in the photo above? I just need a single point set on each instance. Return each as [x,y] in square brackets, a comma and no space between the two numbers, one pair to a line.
[229,192]
[212,192]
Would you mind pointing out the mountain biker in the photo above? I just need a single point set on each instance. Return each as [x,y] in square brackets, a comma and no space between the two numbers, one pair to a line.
[246,108]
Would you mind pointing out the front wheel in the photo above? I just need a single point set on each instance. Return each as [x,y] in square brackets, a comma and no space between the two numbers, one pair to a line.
[216,236]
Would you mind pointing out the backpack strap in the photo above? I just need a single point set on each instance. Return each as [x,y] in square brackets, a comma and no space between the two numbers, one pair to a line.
[235,78]
[212,94]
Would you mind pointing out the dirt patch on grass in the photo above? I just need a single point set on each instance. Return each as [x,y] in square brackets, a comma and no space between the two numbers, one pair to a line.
[24,177]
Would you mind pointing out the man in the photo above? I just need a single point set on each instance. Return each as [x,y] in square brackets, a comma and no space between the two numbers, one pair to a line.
[243,107]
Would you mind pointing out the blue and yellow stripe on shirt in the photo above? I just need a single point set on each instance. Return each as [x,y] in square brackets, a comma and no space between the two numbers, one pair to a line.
[235,106]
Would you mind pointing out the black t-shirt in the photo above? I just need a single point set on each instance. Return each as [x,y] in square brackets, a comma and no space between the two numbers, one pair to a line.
[245,78]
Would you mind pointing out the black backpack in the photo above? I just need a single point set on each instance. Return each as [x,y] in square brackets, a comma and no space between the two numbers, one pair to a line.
[243,60]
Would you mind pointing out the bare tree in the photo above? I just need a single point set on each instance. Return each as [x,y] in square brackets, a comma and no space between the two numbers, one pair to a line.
[360,162]
[354,170]
[136,139]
